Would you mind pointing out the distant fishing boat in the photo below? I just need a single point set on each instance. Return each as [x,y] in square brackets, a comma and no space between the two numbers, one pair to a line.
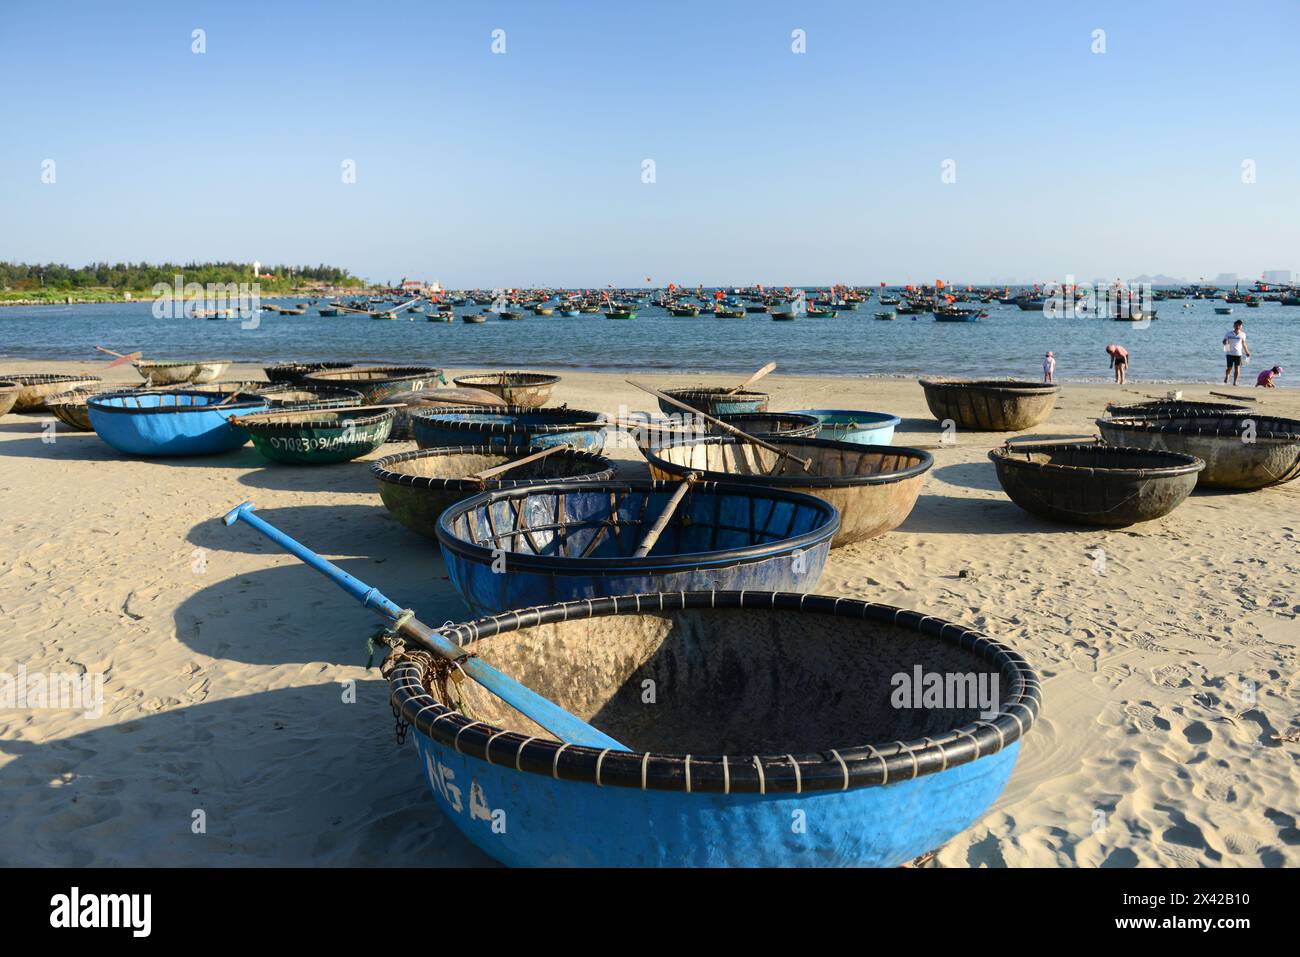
[1222,310]
[620,312]
[509,315]
[331,312]
[820,312]
[1031,303]
[686,311]
[889,300]
[886,316]
[957,314]
[541,310]
[783,316]
[729,312]
[438,317]
[473,317]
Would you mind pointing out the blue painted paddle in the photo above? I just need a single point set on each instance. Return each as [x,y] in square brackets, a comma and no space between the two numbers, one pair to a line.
[547,713]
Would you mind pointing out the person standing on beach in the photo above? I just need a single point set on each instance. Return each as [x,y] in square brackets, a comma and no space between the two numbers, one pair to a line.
[1234,344]
[1118,361]
[1049,367]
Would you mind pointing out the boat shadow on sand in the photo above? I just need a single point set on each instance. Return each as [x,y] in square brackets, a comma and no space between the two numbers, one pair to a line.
[289,777]
[290,614]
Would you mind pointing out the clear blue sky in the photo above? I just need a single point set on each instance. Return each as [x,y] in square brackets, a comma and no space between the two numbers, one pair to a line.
[525,168]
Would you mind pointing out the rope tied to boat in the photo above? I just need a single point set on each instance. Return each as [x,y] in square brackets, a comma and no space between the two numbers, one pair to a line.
[387,637]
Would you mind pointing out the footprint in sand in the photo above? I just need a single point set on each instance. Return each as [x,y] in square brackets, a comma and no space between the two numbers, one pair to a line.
[1083,657]
[1197,733]
[1146,717]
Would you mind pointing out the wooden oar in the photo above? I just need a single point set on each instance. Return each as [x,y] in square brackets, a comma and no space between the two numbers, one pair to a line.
[132,357]
[547,713]
[1237,398]
[752,379]
[486,474]
[731,429]
[657,529]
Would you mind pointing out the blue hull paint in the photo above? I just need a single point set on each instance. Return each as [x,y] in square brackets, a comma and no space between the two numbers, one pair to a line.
[529,820]
[204,431]
[488,593]
[862,428]
[716,407]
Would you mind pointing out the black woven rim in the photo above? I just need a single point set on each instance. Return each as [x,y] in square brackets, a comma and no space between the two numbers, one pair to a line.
[264,423]
[95,401]
[320,394]
[834,769]
[799,479]
[1180,464]
[1173,407]
[1014,386]
[506,380]
[339,377]
[1218,425]
[602,469]
[581,420]
[684,395]
[554,565]
[291,371]
[9,385]
[45,378]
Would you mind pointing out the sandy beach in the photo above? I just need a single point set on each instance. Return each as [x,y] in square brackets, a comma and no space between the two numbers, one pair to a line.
[1170,663]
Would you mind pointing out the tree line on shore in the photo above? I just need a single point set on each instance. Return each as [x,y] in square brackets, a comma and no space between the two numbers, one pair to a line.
[36,279]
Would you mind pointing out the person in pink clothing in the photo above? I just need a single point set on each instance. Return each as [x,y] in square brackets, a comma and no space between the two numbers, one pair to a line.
[1118,361]
[1267,376]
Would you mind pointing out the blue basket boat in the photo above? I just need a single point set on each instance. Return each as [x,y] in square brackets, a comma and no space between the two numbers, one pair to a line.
[715,401]
[175,422]
[850,425]
[570,541]
[769,710]
[510,426]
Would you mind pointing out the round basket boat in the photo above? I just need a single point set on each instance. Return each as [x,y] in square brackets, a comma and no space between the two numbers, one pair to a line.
[715,402]
[1174,407]
[509,426]
[1242,452]
[172,422]
[524,389]
[852,425]
[70,407]
[990,405]
[289,396]
[443,398]
[769,707]
[376,383]
[769,425]
[208,371]
[318,435]
[293,372]
[873,487]
[35,388]
[570,541]
[165,371]
[9,391]
[417,487]
[1091,484]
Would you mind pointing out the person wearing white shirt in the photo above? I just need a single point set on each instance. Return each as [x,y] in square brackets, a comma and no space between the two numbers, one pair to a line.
[1234,345]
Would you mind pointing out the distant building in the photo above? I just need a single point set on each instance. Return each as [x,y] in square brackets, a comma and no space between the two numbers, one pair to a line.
[417,286]
[1277,276]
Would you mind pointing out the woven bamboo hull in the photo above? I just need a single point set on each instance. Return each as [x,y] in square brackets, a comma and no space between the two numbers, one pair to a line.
[1095,484]
[507,427]
[1231,462]
[376,383]
[8,396]
[715,402]
[573,542]
[417,487]
[782,703]
[989,406]
[166,373]
[527,390]
[34,389]
[208,371]
[296,371]
[874,488]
